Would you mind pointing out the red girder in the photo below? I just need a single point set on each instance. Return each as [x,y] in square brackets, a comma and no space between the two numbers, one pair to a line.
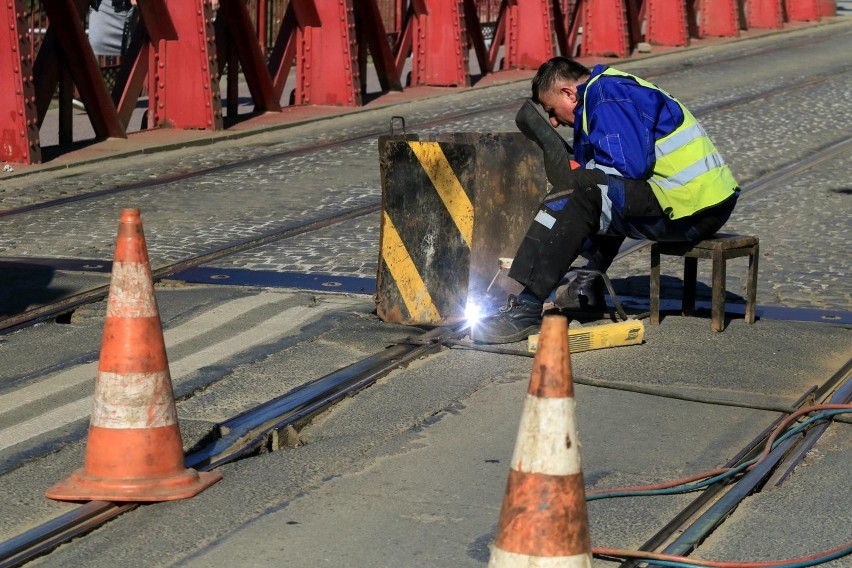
[329,41]
[19,141]
[475,36]
[372,34]
[183,85]
[416,9]
[803,10]
[325,38]
[326,57]
[666,22]
[529,41]
[605,28]
[66,47]
[158,20]
[243,39]
[283,53]
[157,26]
[439,54]
[131,77]
[765,14]
[719,18]
[560,29]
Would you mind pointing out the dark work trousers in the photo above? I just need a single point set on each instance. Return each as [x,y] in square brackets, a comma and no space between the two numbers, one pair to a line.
[592,210]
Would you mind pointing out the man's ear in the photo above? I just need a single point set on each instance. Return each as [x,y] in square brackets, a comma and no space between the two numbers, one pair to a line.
[570,91]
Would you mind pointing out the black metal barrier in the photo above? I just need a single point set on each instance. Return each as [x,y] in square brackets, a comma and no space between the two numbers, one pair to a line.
[453,204]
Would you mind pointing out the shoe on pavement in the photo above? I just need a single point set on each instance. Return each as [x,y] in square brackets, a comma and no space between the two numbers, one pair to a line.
[78,104]
[515,321]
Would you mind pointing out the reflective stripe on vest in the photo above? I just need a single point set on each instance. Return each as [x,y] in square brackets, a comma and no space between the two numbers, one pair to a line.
[689,174]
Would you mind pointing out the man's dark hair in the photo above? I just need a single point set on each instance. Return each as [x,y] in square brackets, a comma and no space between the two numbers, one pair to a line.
[556,69]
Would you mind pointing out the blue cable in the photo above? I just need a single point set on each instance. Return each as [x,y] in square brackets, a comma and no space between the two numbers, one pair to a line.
[812,562]
[711,480]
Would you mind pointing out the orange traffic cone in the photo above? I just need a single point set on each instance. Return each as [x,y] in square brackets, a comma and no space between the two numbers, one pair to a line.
[544,521]
[134,450]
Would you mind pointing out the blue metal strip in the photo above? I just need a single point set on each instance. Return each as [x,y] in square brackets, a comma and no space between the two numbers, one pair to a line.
[271,279]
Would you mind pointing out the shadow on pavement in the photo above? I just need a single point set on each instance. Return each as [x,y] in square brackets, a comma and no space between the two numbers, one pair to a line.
[23,285]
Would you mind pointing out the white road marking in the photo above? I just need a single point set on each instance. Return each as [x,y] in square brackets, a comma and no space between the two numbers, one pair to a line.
[270,329]
[74,376]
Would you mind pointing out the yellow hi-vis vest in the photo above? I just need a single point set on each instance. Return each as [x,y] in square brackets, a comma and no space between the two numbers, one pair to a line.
[689,174]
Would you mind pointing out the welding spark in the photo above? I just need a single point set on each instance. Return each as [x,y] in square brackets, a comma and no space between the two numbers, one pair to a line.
[473,313]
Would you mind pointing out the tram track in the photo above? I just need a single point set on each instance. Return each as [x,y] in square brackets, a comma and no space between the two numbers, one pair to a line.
[241,435]
[373,133]
[257,429]
[64,305]
[686,530]
[54,309]
[61,306]
[262,426]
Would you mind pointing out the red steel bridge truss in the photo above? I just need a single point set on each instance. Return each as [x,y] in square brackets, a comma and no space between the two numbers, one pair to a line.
[181,49]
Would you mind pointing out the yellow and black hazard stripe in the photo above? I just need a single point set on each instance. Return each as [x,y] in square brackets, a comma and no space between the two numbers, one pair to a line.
[426,231]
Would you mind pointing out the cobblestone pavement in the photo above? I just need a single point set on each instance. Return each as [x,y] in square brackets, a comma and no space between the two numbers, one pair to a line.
[803,222]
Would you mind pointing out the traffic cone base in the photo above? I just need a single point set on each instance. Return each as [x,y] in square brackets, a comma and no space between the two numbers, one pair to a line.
[514,560]
[81,486]
[134,450]
[142,464]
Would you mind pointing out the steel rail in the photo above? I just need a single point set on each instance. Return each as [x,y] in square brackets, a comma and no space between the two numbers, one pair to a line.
[714,500]
[749,53]
[275,156]
[42,313]
[294,406]
[64,305]
[306,400]
[696,532]
[247,432]
[12,323]
[242,435]
[842,395]
[243,163]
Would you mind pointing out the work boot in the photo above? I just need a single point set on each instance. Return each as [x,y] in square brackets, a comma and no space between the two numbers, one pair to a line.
[517,320]
[584,293]
[536,126]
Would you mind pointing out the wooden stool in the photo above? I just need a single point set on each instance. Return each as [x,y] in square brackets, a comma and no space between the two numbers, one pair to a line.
[720,248]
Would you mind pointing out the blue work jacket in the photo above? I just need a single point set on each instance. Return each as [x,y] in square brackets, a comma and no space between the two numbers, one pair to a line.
[625,119]
[631,128]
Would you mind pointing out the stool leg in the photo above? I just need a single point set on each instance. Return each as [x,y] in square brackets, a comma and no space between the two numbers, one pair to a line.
[655,285]
[690,274]
[717,310]
[751,284]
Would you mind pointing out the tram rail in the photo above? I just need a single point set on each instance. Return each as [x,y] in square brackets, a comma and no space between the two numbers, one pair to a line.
[242,435]
[694,522]
[246,433]
[373,133]
[64,305]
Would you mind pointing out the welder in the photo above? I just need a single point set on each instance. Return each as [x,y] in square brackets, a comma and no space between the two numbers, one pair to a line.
[646,170]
